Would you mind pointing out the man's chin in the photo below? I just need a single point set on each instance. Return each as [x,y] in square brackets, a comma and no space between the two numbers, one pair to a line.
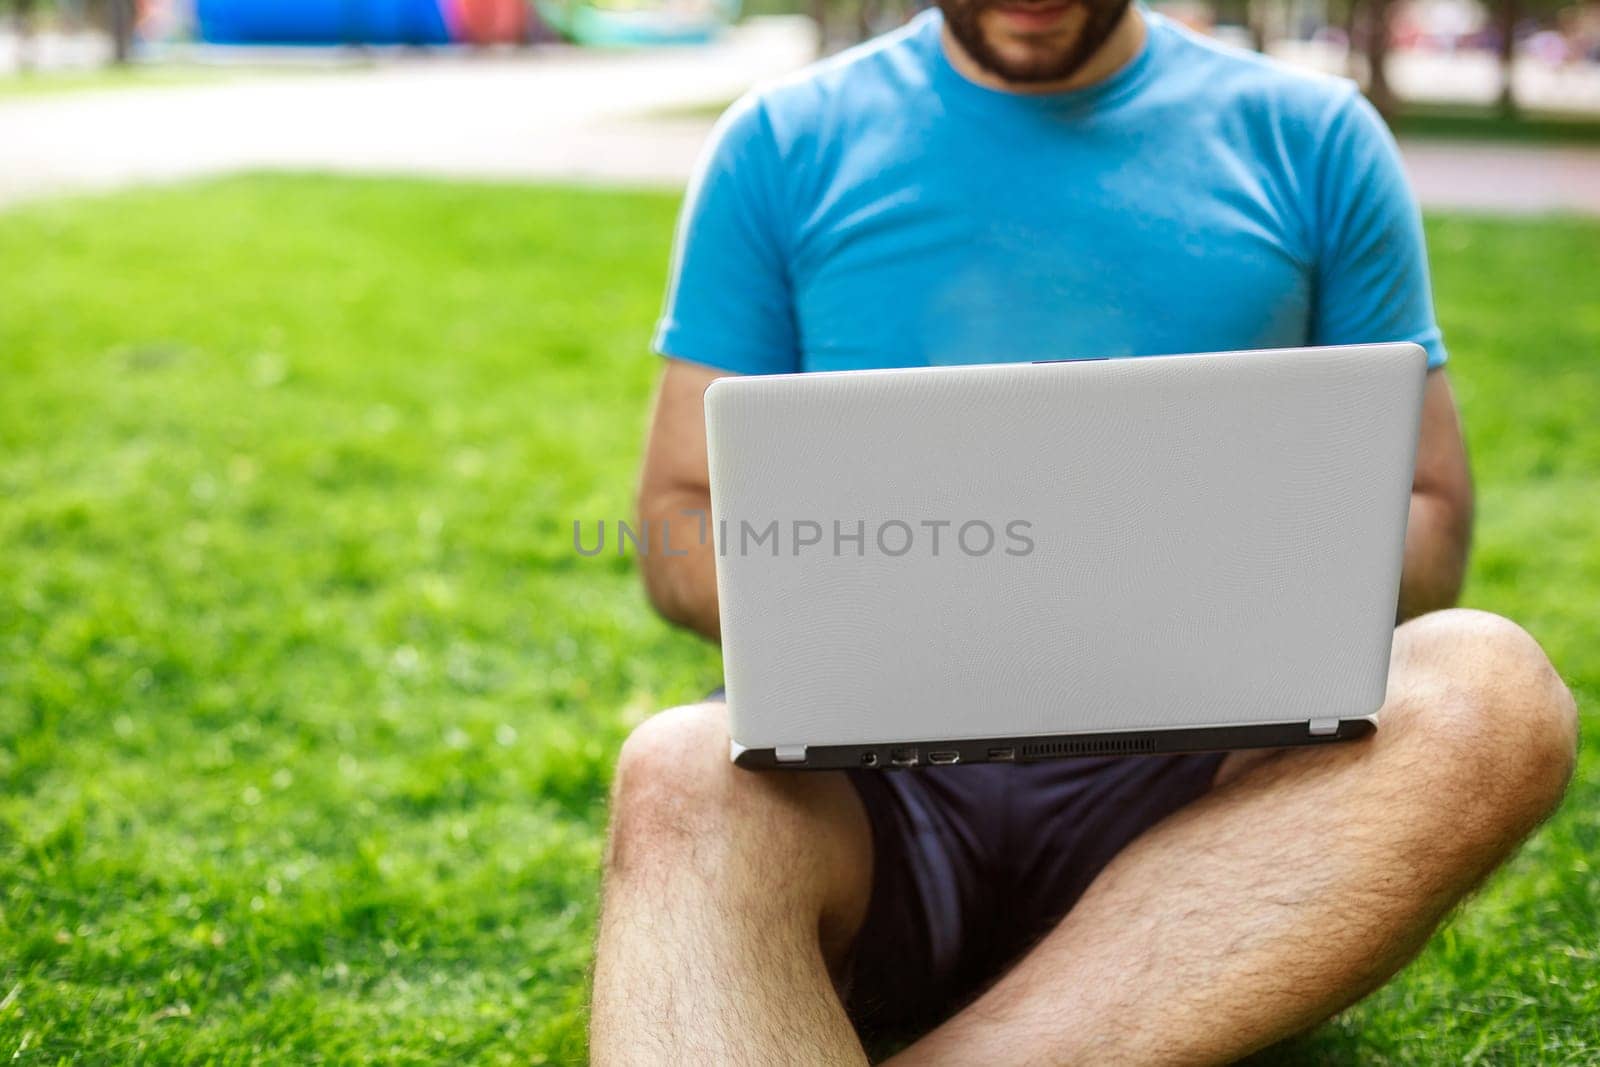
[1028,64]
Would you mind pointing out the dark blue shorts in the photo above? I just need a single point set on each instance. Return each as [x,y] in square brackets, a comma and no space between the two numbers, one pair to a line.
[974,864]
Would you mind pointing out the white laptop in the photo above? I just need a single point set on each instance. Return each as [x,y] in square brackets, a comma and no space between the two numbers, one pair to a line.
[1010,562]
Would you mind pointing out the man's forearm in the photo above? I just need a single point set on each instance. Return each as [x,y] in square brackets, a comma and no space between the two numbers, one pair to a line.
[1437,536]
[680,569]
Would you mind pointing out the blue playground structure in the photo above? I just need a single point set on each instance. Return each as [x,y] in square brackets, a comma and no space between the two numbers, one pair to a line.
[437,22]
[322,22]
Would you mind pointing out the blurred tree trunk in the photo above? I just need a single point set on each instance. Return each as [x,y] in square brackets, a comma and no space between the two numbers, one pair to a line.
[1255,20]
[1506,15]
[866,18]
[1377,33]
[819,15]
[22,13]
[119,22]
[1351,25]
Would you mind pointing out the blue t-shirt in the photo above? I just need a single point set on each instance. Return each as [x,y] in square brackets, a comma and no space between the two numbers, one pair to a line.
[881,210]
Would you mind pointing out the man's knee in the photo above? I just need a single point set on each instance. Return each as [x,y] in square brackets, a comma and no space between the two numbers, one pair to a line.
[674,751]
[676,780]
[672,781]
[1493,726]
[679,800]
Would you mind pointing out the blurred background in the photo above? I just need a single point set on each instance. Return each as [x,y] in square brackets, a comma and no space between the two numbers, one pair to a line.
[321,321]
[589,88]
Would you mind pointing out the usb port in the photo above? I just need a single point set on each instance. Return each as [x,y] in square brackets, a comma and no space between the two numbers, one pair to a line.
[903,757]
[1003,753]
[944,758]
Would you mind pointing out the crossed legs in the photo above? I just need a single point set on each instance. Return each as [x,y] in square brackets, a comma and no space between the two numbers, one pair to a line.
[729,896]
[1300,883]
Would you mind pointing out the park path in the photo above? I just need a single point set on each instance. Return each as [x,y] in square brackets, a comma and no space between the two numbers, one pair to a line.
[1504,178]
[553,113]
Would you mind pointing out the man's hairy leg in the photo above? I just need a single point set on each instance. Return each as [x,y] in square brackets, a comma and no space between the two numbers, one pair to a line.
[727,897]
[1303,881]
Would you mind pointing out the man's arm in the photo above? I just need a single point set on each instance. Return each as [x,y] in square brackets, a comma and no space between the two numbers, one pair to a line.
[675,484]
[1440,529]
[1371,272]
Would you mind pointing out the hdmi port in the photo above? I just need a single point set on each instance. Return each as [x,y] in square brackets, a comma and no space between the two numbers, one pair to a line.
[944,758]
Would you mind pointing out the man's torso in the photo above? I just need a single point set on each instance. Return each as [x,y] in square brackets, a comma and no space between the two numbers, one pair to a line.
[936,224]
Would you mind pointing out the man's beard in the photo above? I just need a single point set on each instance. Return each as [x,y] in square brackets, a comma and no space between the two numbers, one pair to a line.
[962,17]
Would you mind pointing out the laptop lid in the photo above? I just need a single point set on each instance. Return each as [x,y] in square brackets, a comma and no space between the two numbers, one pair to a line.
[1173,543]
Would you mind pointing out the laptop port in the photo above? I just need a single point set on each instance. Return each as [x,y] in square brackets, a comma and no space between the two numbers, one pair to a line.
[903,757]
[1006,753]
[944,759]
[869,759]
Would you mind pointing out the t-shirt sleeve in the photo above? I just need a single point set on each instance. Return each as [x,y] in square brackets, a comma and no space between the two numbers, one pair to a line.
[1372,262]
[729,302]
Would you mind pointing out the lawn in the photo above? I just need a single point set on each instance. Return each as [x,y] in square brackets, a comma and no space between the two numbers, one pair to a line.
[1469,123]
[31,84]
[307,705]
[49,83]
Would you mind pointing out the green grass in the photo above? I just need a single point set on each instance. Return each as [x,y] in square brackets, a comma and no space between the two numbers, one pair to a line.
[1465,123]
[709,111]
[307,707]
[50,83]
[29,85]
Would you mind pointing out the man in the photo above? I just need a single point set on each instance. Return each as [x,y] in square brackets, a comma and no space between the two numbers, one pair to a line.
[1036,181]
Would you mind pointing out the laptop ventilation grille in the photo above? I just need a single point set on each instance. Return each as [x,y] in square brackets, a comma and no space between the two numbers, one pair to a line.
[1093,746]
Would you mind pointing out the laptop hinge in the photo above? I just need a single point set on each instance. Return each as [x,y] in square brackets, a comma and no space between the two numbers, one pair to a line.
[790,753]
[1324,727]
